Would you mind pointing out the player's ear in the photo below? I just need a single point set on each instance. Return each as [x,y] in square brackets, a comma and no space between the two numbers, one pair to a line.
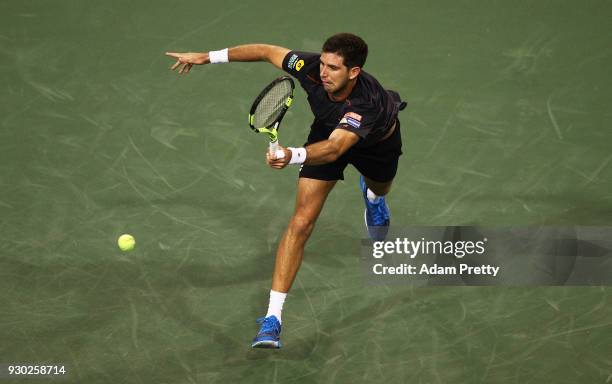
[354,72]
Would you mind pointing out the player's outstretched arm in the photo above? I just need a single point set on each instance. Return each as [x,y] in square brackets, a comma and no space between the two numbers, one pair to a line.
[249,52]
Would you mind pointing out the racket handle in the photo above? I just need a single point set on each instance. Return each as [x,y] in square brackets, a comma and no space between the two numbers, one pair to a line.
[279,153]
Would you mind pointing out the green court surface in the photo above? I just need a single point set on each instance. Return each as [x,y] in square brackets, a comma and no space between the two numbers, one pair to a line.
[508,123]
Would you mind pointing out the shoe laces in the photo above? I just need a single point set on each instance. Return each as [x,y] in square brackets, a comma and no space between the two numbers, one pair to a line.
[268,325]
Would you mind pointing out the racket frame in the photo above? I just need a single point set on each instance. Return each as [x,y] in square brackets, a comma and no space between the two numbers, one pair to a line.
[272,129]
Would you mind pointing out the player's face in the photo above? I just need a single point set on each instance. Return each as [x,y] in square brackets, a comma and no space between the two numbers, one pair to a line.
[334,74]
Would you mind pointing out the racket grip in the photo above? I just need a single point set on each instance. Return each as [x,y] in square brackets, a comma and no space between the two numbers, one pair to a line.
[274,149]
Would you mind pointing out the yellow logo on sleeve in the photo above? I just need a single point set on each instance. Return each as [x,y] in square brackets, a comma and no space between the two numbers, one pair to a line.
[299,65]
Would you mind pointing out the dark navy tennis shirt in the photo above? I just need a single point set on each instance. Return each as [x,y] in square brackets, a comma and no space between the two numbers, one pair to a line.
[369,111]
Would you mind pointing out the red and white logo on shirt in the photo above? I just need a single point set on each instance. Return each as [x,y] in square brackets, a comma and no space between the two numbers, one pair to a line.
[351,118]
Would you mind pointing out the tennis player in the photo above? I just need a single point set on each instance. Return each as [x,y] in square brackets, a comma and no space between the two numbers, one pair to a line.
[355,122]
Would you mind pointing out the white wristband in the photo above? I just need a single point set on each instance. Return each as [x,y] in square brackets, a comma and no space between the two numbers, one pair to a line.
[298,155]
[221,56]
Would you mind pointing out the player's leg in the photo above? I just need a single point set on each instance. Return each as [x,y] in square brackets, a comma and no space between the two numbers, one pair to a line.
[311,195]
[378,166]
[377,187]
[314,186]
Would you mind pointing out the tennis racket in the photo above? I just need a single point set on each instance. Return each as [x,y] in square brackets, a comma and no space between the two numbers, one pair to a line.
[270,107]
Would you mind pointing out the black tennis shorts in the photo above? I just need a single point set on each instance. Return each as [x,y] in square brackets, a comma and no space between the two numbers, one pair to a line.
[378,162]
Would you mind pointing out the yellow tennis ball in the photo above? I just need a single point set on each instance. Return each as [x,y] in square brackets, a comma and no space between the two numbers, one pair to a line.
[126,242]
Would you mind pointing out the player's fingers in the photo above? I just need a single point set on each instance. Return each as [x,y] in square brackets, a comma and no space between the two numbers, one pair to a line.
[182,68]
[188,68]
[279,154]
[178,62]
[269,160]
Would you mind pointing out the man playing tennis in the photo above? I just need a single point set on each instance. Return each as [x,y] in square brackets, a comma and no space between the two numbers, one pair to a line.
[355,123]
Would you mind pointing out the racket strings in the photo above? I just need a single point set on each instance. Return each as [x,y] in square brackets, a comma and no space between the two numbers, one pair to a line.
[272,104]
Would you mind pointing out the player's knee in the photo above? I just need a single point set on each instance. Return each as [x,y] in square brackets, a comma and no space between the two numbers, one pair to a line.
[301,224]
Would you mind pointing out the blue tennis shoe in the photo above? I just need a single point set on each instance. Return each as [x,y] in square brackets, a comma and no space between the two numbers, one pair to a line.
[376,215]
[269,333]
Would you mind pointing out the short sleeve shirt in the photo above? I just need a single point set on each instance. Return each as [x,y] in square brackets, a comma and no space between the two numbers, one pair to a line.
[369,111]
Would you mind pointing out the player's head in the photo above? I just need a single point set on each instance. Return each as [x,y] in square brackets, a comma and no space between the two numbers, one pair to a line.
[342,57]
[351,48]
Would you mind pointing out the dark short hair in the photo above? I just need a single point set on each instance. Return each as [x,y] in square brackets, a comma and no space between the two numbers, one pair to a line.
[352,48]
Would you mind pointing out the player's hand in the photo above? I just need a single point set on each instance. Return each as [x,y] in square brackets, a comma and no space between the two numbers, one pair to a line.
[184,61]
[278,162]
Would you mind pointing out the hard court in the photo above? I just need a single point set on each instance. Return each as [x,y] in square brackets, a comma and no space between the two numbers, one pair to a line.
[508,123]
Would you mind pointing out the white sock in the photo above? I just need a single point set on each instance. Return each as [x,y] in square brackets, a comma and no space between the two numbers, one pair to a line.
[373,197]
[277,299]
